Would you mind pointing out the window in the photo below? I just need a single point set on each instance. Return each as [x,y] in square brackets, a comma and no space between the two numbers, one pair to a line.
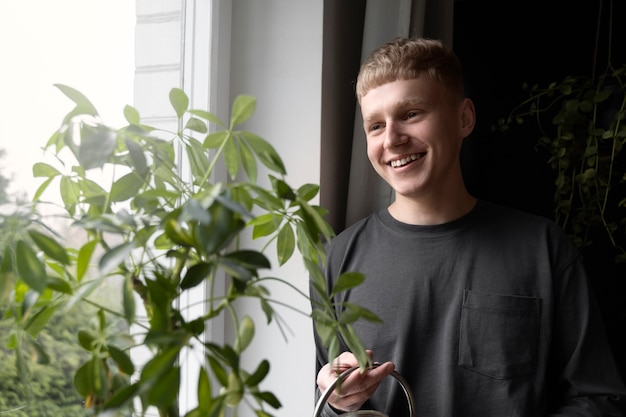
[88,46]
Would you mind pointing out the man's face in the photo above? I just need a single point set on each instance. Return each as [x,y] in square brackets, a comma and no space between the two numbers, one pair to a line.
[414,131]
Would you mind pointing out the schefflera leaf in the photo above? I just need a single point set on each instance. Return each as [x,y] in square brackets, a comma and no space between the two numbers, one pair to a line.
[96,147]
[30,269]
[50,246]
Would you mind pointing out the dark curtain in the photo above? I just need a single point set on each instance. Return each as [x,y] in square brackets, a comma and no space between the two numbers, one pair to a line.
[350,189]
[343,36]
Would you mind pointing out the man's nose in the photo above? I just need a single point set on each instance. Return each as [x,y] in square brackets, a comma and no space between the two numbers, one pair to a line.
[394,135]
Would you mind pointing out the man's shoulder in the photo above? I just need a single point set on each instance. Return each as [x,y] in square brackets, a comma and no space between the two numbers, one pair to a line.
[355,229]
[505,220]
[494,211]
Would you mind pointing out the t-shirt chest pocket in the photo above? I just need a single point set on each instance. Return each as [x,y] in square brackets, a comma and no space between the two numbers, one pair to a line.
[499,334]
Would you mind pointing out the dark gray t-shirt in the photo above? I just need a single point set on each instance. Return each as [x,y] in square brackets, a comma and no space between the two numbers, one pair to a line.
[488,315]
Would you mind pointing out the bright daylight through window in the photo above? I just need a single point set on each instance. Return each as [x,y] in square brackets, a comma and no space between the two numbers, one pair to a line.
[88,45]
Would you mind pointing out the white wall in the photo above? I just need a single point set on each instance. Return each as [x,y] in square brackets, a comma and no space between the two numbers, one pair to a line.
[276,56]
[270,49]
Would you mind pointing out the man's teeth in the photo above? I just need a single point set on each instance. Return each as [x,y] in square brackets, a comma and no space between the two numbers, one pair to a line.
[401,162]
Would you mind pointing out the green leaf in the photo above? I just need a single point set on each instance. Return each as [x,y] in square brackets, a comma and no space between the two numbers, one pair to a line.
[40,190]
[236,270]
[177,234]
[267,309]
[216,139]
[28,303]
[231,158]
[217,235]
[355,345]
[84,259]
[269,398]
[96,147]
[59,285]
[283,190]
[249,259]
[333,347]
[100,377]
[210,117]
[603,95]
[55,139]
[308,191]
[198,161]
[122,359]
[82,103]
[319,224]
[346,281]
[193,210]
[86,339]
[126,187]
[6,276]
[286,244]
[264,151]
[160,364]
[137,157]
[31,270]
[128,299]
[353,312]
[218,370]
[245,335]
[92,191]
[179,101]
[49,246]
[195,275]
[114,257]
[41,169]
[248,161]
[69,192]
[243,108]
[325,331]
[196,125]
[82,380]
[123,396]
[131,115]
[39,320]
[204,391]
[264,225]
[259,374]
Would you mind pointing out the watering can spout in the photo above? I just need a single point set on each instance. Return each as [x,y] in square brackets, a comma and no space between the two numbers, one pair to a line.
[364,413]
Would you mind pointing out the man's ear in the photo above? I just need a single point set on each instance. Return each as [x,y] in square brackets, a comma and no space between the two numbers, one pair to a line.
[468,116]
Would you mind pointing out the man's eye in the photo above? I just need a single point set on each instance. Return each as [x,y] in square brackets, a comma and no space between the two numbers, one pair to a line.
[375,126]
[411,114]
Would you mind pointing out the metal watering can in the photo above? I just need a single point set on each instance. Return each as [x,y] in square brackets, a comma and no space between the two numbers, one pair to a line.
[364,413]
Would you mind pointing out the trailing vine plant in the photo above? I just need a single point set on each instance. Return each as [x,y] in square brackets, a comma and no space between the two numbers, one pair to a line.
[582,120]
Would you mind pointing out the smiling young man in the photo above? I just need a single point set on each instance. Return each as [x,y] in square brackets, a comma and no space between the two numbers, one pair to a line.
[486,310]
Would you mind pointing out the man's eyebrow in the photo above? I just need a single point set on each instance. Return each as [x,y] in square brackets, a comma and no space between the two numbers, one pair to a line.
[411,101]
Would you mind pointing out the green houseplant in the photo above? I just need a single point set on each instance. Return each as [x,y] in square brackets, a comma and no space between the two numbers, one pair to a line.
[582,125]
[583,129]
[161,235]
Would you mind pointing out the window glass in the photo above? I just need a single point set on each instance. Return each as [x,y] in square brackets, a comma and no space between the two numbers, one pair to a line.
[89,46]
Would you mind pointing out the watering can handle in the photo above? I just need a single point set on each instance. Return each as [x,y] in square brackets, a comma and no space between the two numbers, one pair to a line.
[405,387]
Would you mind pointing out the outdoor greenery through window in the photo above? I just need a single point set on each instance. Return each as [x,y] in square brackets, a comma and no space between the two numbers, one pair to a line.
[89,45]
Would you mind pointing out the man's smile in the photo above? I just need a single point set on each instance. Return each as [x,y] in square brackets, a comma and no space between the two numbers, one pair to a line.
[397,163]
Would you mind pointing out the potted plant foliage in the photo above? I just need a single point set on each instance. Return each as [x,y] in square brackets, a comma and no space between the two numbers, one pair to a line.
[161,234]
[582,124]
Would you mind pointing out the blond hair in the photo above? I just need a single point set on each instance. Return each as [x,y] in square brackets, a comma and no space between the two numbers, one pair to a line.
[405,59]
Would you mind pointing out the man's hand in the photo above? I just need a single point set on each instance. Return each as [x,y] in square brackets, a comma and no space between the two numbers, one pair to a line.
[357,387]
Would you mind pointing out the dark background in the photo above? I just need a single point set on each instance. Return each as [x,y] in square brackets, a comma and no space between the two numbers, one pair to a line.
[503,44]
